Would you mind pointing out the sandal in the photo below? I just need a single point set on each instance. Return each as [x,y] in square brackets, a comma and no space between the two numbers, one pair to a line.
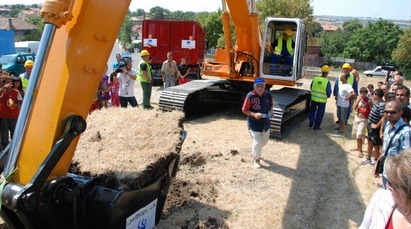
[360,155]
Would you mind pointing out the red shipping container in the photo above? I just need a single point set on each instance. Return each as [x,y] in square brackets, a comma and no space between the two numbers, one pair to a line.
[182,37]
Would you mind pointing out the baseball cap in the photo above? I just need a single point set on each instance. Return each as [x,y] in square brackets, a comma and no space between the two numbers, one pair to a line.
[259,81]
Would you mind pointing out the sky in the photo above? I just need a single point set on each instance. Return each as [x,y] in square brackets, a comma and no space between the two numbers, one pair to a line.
[386,9]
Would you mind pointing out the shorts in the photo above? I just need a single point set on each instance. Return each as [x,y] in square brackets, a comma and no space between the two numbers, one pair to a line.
[374,135]
[342,113]
[358,128]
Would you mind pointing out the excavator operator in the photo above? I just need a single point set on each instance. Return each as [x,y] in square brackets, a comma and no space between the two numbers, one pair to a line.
[283,49]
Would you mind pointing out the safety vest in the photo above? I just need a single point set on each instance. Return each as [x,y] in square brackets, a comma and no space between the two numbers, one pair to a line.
[350,80]
[140,76]
[279,47]
[24,80]
[319,89]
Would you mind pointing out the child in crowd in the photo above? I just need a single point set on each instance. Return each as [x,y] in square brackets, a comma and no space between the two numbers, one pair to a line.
[363,107]
[183,71]
[345,93]
[379,84]
[105,95]
[10,101]
[95,103]
[17,84]
[370,89]
[114,86]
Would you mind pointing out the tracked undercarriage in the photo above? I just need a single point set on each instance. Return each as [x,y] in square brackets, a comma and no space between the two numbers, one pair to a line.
[207,96]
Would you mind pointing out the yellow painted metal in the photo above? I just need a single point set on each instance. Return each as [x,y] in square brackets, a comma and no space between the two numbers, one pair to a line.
[249,41]
[78,55]
[57,12]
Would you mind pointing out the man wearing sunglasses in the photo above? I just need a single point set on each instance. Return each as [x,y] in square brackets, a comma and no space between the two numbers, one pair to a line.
[397,134]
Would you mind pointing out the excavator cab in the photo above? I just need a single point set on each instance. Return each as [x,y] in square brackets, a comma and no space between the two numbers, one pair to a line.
[282,56]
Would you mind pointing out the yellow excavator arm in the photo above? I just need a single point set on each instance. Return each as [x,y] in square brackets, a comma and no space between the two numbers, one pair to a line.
[247,49]
[68,80]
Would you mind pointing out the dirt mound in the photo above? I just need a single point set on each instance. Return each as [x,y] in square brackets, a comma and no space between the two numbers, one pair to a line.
[127,153]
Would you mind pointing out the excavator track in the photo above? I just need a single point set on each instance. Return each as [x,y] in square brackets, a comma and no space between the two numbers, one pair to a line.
[289,104]
[201,96]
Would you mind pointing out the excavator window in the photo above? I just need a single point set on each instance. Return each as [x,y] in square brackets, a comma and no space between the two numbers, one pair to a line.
[280,47]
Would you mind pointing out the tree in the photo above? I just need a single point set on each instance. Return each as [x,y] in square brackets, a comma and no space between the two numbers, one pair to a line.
[332,44]
[402,54]
[213,27]
[159,12]
[140,12]
[189,15]
[316,30]
[287,9]
[34,35]
[352,25]
[202,17]
[125,32]
[375,42]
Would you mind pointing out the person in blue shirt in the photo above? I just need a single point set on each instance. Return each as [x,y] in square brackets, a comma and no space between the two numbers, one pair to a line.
[258,106]
[118,63]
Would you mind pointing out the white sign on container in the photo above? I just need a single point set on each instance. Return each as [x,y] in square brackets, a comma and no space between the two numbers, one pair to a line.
[188,44]
[143,218]
[150,42]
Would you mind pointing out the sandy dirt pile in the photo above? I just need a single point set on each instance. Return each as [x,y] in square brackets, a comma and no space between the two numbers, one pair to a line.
[122,143]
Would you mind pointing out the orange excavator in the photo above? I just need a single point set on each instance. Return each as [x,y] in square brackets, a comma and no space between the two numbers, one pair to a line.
[36,189]
[254,54]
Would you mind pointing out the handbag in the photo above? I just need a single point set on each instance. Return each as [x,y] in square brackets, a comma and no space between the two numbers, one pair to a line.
[379,166]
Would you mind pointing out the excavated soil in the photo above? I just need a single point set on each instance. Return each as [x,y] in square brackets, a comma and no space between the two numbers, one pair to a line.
[126,148]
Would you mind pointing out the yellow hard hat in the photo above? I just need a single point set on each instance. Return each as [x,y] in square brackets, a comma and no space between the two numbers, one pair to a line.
[325,68]
[28,63]
[288,32]
[145,53]
[346,65]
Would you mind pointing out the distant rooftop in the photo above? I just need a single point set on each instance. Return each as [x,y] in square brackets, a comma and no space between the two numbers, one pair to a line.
[15,24]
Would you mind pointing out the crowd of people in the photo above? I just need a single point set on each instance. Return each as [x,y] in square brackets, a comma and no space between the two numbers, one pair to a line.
[117,88]
[382,116]
[12,90]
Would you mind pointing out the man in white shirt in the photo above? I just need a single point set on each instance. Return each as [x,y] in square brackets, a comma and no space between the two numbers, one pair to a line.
[127,77]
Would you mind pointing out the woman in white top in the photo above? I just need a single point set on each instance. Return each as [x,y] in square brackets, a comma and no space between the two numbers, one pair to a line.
[392,208]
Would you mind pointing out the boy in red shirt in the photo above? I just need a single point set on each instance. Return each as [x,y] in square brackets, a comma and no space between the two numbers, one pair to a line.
[363,107]
[183,71]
